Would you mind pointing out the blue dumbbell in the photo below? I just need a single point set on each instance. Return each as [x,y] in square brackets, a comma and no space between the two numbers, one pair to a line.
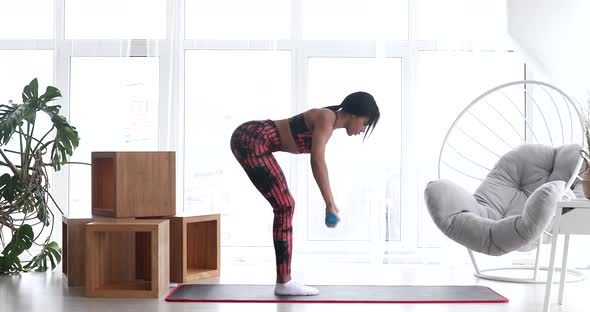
[332,219]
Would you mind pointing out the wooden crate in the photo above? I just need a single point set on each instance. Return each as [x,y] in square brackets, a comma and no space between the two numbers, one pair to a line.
[73,247]
[133,184]
[127,258]
[194,247]
[73,250]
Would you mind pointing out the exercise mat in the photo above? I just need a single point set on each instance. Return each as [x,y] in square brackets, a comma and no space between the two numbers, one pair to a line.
[337,294]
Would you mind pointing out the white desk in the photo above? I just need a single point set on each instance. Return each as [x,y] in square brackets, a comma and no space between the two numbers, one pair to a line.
[571,217]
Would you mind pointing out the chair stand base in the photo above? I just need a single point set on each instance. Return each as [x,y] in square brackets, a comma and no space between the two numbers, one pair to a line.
[572,275]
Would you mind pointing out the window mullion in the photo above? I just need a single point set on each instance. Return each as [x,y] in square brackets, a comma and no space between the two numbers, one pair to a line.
[14,44]
[61,80]
[299,102]
[171,104]
[207,44]
[409,217]
[355,48]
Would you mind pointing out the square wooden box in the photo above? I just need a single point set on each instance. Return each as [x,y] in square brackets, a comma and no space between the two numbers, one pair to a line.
[73,250]
[194,247]
[127,258]
[133,184]
[73,247]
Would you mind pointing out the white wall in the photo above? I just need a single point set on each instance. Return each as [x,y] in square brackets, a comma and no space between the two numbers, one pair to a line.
[555,35]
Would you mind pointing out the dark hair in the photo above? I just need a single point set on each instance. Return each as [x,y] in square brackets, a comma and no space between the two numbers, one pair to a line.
[361,104]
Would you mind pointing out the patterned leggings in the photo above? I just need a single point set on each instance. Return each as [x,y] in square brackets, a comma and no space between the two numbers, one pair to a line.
[253,143]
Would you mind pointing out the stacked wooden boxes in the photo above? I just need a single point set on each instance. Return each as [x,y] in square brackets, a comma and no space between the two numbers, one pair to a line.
[132,242]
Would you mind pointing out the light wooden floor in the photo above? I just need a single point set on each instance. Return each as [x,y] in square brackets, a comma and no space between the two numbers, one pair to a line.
[48,292]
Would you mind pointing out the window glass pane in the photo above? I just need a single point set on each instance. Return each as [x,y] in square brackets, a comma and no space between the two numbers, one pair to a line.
[114,106]
[364,176]
[26,19]
[355,19]
[447,83]
[18,69]
[114,19]
[238,19]
[460,19]
[223,90]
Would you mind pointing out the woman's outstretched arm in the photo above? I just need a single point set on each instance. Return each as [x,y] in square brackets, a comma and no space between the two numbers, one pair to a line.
[321,133]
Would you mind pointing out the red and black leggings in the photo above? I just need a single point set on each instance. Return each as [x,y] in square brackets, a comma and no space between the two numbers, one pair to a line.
[253,143]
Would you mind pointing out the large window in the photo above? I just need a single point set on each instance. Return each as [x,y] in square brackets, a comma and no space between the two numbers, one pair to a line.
[225,89]
[19,67]
[364,175]
[122,114]
[237,19]
[26,19]
[182,74]
[466,20]
[355,19]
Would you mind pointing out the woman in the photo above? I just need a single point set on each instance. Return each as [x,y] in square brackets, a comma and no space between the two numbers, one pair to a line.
[253,143]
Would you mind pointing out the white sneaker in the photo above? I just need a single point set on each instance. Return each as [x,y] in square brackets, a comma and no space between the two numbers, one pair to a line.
[292,288]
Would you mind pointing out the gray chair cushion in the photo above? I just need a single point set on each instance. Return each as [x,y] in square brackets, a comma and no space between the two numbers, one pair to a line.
[512,206]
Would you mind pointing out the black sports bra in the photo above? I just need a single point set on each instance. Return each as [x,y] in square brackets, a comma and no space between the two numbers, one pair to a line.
[301,134]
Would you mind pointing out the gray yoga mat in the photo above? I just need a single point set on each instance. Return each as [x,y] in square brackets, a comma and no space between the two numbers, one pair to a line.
[338,294]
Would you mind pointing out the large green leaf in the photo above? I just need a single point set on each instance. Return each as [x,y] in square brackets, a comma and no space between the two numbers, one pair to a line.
[10,187]
[29,113]
[52,110]
[22,240]
[10,264]
[11,117]
[13,191]
[50,252]
[51,93]
[42,208]
[66,140]
[31,92]
[33,102]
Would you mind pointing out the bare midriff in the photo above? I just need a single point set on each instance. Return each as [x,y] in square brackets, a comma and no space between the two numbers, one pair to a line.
[287,141]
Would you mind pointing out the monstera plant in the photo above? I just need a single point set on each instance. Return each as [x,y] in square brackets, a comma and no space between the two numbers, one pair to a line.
[26,155]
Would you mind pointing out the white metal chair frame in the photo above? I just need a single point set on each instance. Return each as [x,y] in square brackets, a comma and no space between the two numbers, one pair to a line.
[574,275]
